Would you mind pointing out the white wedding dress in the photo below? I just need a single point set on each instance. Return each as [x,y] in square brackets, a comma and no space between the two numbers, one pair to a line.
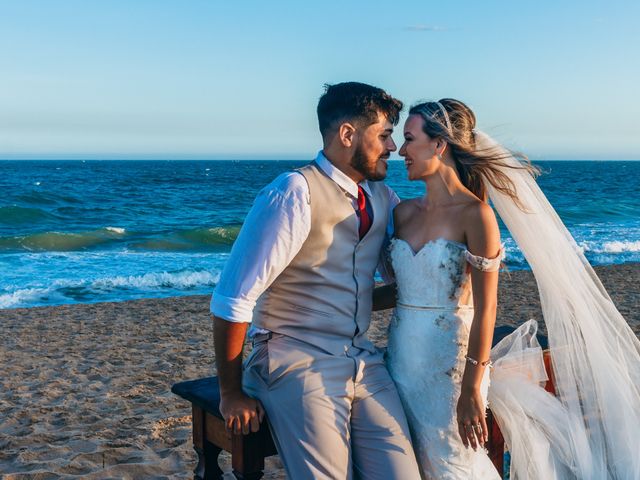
[428,339]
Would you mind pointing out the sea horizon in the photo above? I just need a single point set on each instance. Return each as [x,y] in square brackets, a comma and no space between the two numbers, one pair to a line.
[114,230]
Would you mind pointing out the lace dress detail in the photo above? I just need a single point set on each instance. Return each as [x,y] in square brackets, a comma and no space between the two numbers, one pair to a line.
[428,339]
[485,264]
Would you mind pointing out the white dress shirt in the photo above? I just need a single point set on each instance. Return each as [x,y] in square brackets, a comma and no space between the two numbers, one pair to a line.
[273,232]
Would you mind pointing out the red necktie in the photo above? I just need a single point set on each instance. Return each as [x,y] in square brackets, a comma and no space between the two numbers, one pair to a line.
[365,219]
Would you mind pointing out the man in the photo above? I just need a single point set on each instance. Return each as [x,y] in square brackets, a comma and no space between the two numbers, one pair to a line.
[302,269]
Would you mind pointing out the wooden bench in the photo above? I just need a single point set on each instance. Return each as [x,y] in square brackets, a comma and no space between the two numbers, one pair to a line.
[210,436]
[249,451]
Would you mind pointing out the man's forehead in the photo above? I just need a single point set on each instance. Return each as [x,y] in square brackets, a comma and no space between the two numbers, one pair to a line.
[383,123]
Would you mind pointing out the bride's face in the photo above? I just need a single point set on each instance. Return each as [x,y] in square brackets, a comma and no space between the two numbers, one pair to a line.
[419,149]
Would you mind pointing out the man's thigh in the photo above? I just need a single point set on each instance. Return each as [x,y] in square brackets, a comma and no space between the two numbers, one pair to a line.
[380,438]
[307,395]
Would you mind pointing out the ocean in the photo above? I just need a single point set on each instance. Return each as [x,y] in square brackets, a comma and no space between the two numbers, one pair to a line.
[92,231]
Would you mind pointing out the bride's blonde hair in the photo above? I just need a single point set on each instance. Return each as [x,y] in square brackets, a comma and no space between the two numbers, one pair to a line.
[455,122]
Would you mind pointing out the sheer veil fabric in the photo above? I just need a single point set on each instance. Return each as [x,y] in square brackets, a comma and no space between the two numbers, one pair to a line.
[592,429]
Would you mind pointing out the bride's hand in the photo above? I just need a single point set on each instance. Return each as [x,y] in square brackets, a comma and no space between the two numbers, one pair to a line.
[472,425]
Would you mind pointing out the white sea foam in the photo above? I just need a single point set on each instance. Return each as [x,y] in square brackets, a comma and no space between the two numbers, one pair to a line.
[23,297]
[118,230]
[611,247]
[178,280]
[620,247]
[71,291]
[224,232]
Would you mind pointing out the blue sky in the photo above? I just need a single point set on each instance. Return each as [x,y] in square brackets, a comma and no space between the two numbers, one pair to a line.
[210,79]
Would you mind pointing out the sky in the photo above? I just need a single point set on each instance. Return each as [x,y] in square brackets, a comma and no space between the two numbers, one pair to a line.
[196,79]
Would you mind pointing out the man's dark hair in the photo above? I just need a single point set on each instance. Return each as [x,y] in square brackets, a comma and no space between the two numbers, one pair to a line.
[355,102]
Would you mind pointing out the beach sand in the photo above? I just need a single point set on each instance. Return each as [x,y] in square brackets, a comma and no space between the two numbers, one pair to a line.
[85,389]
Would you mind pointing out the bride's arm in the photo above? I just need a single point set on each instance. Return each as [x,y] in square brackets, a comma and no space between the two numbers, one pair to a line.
[483,240]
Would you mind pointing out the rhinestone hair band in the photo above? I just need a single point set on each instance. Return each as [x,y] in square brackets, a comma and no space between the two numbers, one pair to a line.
[446,117]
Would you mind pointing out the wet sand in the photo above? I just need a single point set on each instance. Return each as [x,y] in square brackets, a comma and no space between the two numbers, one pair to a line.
[85,389]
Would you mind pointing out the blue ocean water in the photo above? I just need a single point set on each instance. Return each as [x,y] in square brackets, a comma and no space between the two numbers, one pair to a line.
[89,231]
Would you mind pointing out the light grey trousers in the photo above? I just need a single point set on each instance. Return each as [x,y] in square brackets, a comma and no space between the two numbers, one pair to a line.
[332,416]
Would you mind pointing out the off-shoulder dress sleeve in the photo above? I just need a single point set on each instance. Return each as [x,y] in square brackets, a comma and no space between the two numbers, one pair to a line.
[485,264]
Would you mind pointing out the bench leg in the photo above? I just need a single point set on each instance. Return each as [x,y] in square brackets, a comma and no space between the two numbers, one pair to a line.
[207,468]
[247,457]
[212,470]
[198,472]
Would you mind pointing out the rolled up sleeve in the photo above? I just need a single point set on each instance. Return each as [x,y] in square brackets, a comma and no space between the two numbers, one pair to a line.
[232,309]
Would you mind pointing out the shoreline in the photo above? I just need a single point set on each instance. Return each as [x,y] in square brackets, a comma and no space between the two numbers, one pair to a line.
[608,269]
[88,386]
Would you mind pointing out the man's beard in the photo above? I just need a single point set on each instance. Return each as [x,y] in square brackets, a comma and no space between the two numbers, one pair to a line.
[359,162]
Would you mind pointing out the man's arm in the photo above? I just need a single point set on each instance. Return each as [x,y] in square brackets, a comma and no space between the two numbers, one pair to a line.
[280,220]
[241,412]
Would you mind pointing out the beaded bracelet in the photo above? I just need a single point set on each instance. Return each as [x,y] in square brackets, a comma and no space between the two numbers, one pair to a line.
[473,361]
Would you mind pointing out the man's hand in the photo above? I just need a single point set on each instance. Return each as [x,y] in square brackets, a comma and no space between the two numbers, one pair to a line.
[241,413]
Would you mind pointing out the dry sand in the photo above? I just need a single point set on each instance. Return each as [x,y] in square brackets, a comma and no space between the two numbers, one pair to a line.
[85,388]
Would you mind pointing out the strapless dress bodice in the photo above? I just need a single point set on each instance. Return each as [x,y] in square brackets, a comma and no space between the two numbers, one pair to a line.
[436,276]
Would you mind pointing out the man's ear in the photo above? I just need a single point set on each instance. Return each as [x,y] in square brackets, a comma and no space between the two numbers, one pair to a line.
[346,134]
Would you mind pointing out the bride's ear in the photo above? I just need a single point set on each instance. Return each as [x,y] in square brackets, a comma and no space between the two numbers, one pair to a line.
[441,147]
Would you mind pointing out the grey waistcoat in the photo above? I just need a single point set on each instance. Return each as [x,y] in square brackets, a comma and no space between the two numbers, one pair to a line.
[323,297]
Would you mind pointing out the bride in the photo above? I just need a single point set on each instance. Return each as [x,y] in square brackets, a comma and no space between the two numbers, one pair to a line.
[446,257]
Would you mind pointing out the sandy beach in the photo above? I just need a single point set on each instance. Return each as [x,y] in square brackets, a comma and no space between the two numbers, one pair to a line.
[85,389]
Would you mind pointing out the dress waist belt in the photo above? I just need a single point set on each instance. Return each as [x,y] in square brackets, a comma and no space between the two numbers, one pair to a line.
[441,308]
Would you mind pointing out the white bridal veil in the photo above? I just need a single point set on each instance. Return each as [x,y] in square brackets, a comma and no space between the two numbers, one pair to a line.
[592,429]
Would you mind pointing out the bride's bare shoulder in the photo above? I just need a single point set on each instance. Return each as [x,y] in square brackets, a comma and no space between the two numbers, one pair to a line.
[481,228]
[477,210]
